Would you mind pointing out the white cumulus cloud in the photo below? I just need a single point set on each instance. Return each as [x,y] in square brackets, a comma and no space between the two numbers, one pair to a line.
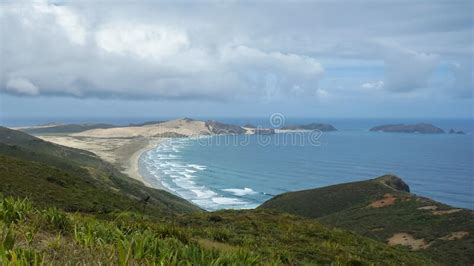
[142,40]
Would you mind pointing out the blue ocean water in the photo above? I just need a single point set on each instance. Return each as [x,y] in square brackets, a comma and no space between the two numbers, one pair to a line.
[222,172]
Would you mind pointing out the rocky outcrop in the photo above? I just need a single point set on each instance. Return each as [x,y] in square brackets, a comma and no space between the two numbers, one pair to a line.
[221,128]
[394,182]
[249,126]
[415,128]
[460,132]
[312,126]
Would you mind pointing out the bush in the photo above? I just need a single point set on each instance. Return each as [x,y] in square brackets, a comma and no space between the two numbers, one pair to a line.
[13,210]
[57,219]
[220,234]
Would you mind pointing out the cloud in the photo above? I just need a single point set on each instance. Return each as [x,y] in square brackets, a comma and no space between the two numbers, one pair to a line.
[142,40]
[228,50]
[463,79]
[379,84]
[407,70]
[53,47]
[21,86]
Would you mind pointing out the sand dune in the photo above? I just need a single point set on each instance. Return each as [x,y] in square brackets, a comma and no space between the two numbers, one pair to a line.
[122,146]
[124,153]
[180,127]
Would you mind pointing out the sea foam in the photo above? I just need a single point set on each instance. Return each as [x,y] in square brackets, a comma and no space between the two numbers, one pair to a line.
[240,192]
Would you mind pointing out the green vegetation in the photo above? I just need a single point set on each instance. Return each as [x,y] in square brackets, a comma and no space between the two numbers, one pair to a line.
[30,235]
[327,200]
[383,207]
[64,129]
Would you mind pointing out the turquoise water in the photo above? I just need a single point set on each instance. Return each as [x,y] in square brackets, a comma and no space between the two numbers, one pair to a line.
[243,171]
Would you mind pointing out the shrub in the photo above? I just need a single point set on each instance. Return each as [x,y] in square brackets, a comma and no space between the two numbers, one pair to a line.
[220,234]
[13,210]
[57,219]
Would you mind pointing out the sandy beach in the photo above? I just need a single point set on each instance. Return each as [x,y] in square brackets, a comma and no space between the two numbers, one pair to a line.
[123,146]
[123,153]
[132,166]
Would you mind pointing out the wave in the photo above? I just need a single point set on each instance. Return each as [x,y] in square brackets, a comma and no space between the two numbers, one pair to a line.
[228,201]
[198,167]
[240,192]
[179,177]
[204,193]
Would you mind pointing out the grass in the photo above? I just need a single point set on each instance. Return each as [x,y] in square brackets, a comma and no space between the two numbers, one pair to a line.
[51,236]
[320,202]
[347,206]
[12,211]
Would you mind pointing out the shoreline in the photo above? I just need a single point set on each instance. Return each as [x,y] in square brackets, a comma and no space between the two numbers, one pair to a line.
[132,169]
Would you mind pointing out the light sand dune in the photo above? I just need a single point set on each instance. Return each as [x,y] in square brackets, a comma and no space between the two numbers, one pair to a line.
[124,153]
[122,146]
[184,127]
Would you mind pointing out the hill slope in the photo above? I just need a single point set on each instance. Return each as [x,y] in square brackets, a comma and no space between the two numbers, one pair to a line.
[35,236]
[39,169]
[384,210]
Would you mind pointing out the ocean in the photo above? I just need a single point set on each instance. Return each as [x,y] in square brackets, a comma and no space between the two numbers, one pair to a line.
[236,172]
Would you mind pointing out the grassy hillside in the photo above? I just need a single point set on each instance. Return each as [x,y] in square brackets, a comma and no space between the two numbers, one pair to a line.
[60,205]
[327,200]
[55,175]
[384,210]
[31,235]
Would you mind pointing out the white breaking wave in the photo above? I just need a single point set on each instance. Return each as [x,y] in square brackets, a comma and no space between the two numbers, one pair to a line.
[188,175]
[179,177]
[204,193]
[197,166]
[240,192]
[227,201]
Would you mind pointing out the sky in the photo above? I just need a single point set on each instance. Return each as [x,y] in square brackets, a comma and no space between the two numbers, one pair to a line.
[236,59]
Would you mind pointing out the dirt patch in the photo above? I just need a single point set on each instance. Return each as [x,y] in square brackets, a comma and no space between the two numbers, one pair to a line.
[435,210]
[445,212]
[408,240]
[388,199]
[455,235]
[430,208]
[376,229]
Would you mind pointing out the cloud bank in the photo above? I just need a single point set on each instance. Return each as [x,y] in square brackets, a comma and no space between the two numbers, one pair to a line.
[231,50]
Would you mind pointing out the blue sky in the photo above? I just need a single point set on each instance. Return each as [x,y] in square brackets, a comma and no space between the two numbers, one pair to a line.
[233,58]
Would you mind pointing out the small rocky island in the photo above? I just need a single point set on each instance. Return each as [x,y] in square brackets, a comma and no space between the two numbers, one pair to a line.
[422,128]
[459,132]
[312,126]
